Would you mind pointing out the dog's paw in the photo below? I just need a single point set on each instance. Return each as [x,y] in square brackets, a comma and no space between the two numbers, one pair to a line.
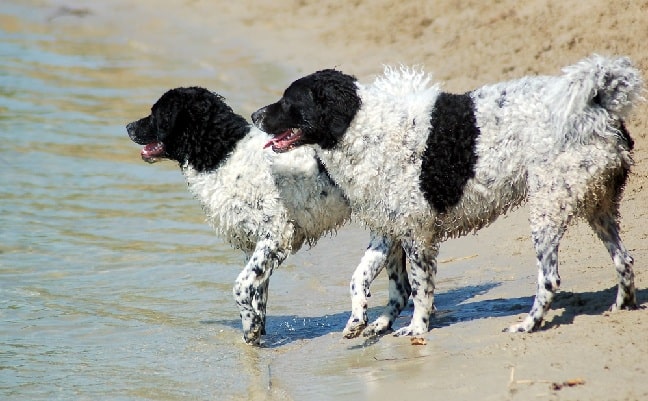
[626,304]
[353,329]
[515,328]
[252,335]
[411,330]
[526,326]
[376,329]
[252,338]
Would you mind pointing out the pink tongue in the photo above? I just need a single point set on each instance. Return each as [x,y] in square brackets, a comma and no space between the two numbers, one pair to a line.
[278,138]
[153,149]
[270,143]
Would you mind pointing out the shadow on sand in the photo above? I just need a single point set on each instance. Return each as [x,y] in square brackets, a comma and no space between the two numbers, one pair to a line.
[452,307]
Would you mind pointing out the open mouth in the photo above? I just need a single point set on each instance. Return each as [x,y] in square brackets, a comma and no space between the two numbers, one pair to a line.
[285,141]
[152,152]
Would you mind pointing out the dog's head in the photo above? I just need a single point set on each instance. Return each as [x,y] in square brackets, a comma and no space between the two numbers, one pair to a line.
[315,109]
[188,125]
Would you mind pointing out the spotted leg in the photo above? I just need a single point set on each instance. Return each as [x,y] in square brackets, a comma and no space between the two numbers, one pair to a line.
[251,288]
[423,266]
[370,266]
[263,303]
[399,292]
[605,225]
[547,228]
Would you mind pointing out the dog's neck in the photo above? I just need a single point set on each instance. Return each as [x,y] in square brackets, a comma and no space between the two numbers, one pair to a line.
[368,157]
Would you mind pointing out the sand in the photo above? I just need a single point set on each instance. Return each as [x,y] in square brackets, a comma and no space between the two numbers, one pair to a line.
[582,351]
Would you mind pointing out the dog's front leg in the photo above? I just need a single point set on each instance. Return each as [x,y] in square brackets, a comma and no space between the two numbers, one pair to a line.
[399,292]
[370,266]
[251,288]
[423,266]
[380,252]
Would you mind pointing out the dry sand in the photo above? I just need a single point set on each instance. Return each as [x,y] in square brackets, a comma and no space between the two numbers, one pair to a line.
[582,352]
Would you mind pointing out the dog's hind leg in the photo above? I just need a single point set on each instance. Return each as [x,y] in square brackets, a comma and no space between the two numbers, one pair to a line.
[399,292]
[607,229]
[423,266]
[604,221]
[549,219]
[251,288]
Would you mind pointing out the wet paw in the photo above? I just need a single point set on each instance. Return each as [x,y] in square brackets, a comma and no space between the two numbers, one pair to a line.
[410,331]
[252,336]
[353,329]
[375,329]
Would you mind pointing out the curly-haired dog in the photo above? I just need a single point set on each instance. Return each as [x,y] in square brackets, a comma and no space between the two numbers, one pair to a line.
[265,204]
[421,165]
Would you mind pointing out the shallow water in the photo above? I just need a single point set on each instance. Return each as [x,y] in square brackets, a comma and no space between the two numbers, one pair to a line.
[111,285]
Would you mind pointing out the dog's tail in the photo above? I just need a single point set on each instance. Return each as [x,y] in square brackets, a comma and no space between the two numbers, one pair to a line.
[595,94]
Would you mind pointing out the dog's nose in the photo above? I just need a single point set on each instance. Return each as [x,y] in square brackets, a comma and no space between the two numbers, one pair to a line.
[257,117]
[130,129]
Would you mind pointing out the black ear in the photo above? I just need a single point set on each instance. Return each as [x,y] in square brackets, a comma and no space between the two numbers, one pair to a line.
[171,121]
[344,104]
[336,93]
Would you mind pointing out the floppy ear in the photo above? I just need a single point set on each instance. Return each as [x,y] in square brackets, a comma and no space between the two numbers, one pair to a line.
[336,94]
[173,120]
[344,104]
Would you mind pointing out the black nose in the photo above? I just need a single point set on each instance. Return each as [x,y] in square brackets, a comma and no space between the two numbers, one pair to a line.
[130,128]
[257,116]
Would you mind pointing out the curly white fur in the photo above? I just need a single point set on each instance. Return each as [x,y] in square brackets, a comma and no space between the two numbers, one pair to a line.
[267,205]
[279,196]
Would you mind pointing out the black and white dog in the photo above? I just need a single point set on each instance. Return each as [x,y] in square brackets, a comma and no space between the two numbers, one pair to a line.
[267,205]
[420,165]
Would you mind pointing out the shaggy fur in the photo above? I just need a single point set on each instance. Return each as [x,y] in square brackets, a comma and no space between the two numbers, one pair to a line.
[421,166]
[267,205]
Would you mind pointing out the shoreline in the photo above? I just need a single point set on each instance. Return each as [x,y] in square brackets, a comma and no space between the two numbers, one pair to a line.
[464,46]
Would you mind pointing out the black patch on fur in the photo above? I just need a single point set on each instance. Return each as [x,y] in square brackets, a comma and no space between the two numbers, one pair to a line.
[449,159]
[195,125]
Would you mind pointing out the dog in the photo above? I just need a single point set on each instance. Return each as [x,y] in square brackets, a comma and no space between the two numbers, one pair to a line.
[265,204]
[420,165]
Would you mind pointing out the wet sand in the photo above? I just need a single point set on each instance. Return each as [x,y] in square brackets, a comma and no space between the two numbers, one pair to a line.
[582,352]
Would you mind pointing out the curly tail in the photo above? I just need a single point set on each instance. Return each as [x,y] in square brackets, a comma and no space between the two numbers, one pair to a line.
[595,94]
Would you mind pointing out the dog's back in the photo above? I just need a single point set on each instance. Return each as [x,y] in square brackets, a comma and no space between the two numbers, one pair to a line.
[567,130]
[485,151]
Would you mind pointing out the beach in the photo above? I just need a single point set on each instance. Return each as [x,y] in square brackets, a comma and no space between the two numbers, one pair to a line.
[486,280]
